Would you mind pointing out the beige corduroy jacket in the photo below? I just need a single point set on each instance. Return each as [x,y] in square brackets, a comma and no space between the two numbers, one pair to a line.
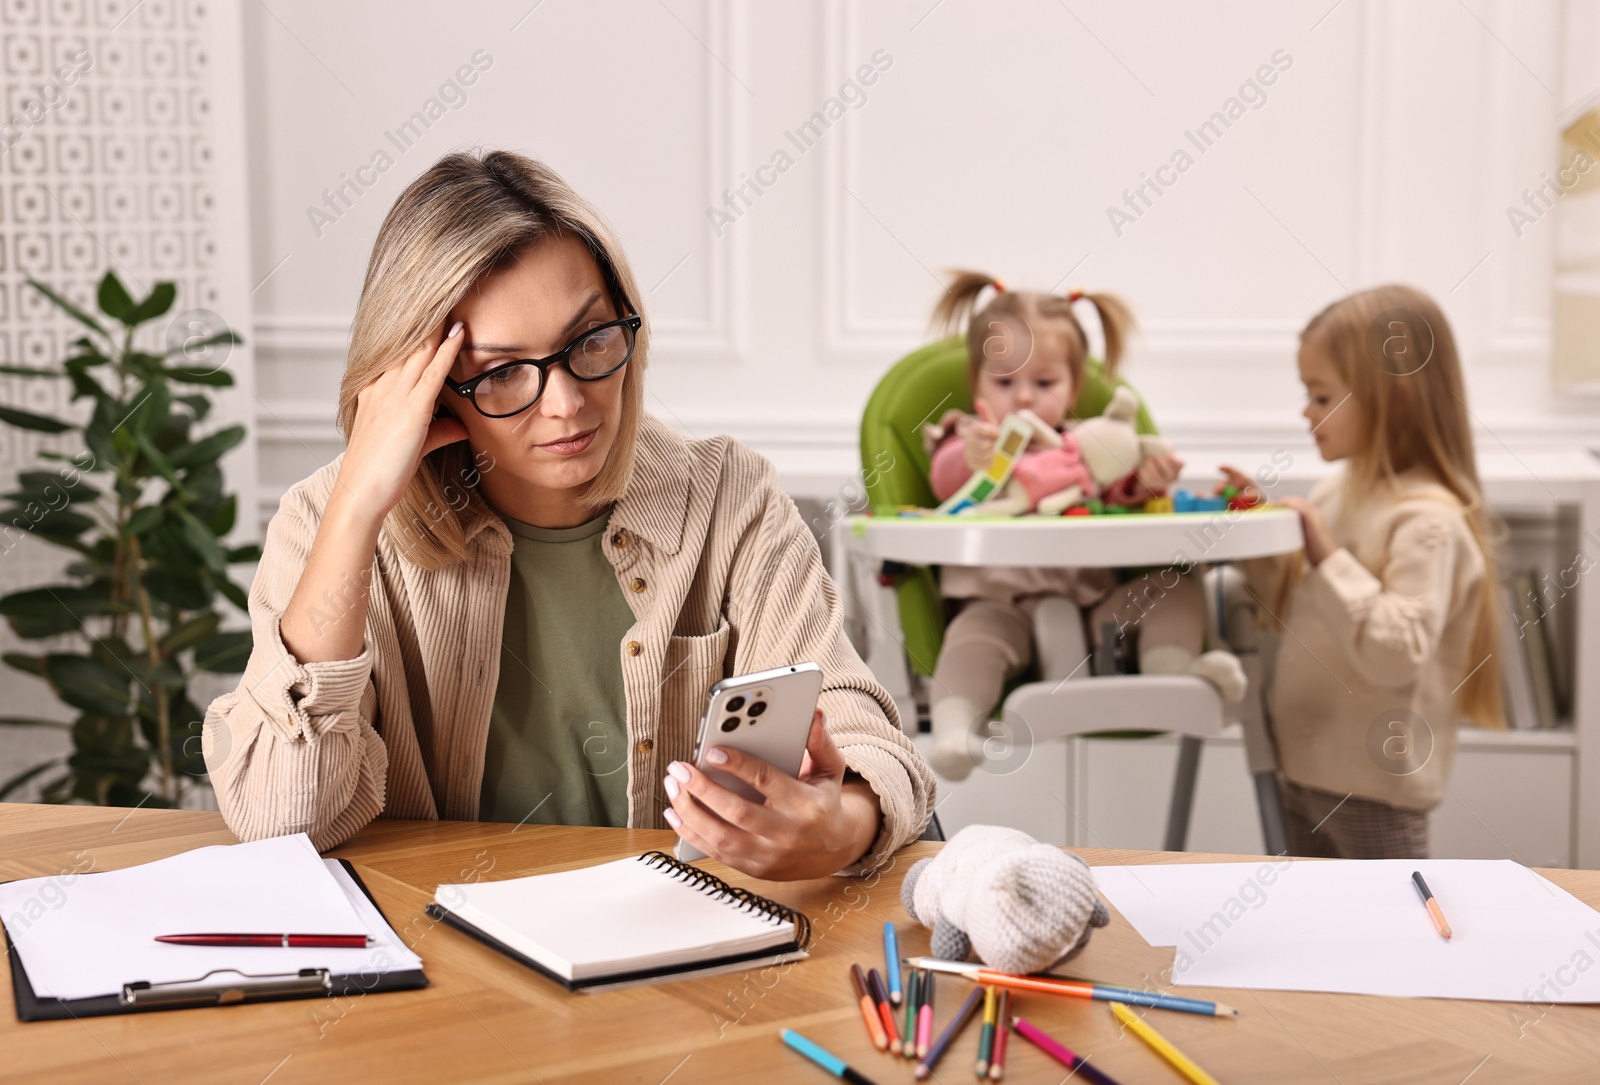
[723,578]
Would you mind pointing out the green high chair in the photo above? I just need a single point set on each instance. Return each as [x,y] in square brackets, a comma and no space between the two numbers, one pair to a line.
[918,389]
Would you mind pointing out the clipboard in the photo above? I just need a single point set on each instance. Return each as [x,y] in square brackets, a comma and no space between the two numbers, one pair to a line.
[217,988]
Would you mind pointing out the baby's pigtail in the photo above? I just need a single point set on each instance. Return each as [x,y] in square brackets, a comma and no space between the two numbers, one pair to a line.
[955,305]
[1116,325]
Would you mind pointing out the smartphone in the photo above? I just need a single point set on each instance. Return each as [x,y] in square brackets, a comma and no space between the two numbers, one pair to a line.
[767,715]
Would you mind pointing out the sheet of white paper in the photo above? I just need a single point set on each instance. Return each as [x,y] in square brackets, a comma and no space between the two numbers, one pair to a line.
[1151,896]
[88,934]
[1361,927]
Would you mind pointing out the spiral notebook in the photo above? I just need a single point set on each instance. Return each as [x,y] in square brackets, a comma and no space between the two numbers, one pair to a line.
[648,919]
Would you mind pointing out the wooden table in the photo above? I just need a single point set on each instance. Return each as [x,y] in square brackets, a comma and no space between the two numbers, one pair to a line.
[486,1019]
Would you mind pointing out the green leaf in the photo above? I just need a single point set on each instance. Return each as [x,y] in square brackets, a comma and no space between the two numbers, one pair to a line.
[30,371]
[184,593]
[200,405]
[205,544]
[191,632]
[114,299]
[207,449]
[235,594]
[159,301]
[14,784]
[185,375]
[143,519]
[223,653]
[31,721]
[66,306]
[45,612]
[241,554]
[222,519]
[217,339]
[29,420]
[89,684]
[159,461]
[39,483]
[24,662]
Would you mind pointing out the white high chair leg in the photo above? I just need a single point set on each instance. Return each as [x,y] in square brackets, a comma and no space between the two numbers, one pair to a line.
[1058,641]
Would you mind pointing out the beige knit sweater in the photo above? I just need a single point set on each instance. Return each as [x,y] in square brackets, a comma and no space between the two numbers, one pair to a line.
[723,578]
[1377,642]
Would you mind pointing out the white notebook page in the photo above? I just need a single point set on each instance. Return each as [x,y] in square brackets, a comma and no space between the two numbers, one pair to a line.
[616,917]
[87,935]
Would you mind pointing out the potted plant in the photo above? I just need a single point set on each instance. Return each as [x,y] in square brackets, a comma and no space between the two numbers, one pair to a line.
[142,508]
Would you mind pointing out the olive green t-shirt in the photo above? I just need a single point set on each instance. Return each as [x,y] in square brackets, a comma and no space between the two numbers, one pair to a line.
[558,732]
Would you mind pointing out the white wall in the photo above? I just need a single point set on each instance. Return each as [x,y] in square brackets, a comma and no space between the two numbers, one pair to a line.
[997,138]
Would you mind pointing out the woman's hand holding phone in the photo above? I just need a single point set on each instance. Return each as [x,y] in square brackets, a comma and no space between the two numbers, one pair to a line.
[810,826]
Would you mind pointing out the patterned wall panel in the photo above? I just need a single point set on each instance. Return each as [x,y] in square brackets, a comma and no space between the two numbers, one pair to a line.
[105,162]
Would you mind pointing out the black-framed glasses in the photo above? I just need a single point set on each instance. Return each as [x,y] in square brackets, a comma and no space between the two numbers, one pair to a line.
[515,386]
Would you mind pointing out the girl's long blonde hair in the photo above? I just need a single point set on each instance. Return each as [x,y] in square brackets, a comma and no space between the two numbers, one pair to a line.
[1395,352]
[954,312]
[464,218]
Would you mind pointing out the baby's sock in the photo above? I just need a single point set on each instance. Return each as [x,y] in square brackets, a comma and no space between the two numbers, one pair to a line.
[1221,669]
[952,755]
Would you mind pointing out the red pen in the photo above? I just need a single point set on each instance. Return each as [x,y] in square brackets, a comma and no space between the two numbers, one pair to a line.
[286,941]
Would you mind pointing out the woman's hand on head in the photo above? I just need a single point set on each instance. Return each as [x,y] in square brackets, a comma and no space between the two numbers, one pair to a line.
[978,436]
[395,427]
[810,826]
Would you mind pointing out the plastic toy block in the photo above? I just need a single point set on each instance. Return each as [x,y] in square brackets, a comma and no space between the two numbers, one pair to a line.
[1117,510]
[1095,506]
[1242,502]
[1183,501]
[1228,491]
[1158,504]
[1077,510]
[1210,504]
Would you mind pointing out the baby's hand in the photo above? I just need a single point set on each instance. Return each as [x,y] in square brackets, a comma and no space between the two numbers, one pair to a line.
[978,436]
[1158,472]
[1243,483]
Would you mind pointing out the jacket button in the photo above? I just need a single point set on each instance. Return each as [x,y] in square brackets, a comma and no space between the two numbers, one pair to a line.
[646,745]
[638,584]
[619,539]
[634,647]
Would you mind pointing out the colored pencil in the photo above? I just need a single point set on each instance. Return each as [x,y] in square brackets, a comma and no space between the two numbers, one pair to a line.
[891,959]
[997,1055]
[1162,1046]
[1061,1053]
[925,1015]
[947,1037]
[1432,905]
[824,1058]
[986,1034]
[1051,985]
[869,1009]
[885,1011]
[908,1034]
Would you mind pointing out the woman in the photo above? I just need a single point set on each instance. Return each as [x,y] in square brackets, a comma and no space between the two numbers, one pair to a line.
[507,598]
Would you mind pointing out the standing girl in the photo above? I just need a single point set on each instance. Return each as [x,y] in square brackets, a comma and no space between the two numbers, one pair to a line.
[1391,623]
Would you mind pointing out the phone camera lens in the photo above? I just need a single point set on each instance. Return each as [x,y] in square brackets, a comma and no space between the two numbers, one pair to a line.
[758,708]
[735,703]
[731,723]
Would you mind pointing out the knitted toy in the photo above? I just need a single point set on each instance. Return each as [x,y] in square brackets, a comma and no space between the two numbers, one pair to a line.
[1021,905]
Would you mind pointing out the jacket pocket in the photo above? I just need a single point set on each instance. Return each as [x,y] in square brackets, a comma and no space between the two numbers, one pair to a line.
[691,666]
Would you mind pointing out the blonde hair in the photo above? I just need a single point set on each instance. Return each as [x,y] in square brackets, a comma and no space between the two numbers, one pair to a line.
[954,312]
[1394,350]
[463,219]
